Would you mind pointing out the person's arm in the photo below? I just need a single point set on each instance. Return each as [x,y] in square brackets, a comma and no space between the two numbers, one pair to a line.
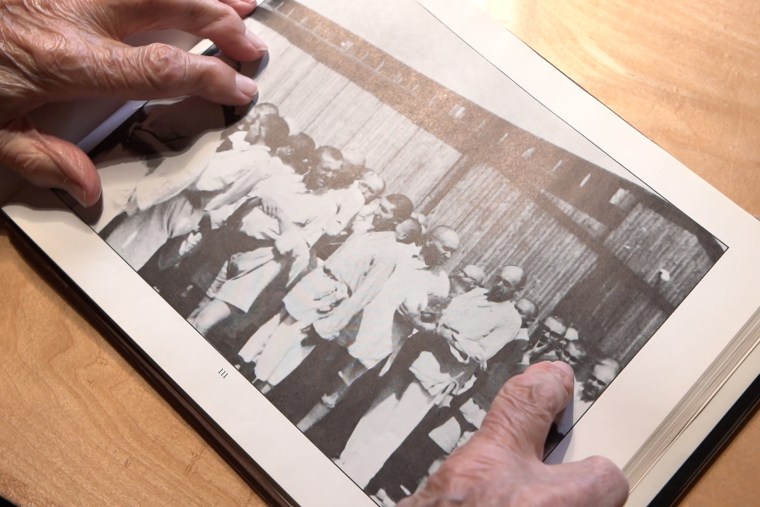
[502,463]
[485,347]
[416,316]
[348,209]
[465,347]
[291,239]
[368,289]
[60,50]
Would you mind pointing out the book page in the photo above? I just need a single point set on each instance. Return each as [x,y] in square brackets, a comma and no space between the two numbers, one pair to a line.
[344,275]
[596,122]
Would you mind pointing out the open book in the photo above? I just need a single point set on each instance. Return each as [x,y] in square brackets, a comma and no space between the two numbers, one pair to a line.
[338,280]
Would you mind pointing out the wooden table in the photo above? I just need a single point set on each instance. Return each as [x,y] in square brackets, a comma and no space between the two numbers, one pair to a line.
[79,426]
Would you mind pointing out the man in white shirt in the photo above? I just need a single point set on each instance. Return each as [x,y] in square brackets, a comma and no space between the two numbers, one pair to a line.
[158,214]
[381,330]
[287,222]
[471,330]
[333,293]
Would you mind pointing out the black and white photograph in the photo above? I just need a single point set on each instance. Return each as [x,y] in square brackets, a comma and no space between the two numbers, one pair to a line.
[377,252]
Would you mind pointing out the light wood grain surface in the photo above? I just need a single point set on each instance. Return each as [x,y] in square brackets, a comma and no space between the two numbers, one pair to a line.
[79,426]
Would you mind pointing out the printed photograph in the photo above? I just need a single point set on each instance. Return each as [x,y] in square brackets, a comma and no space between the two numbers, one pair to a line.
[377,254]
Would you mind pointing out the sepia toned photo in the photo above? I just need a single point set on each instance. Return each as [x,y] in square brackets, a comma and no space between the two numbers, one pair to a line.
[377,253]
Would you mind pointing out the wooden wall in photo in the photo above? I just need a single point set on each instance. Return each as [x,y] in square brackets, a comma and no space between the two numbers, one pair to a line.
[601,278]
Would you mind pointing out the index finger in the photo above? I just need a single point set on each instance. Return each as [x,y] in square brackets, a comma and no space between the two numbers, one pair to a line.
[522,413]
[219,21]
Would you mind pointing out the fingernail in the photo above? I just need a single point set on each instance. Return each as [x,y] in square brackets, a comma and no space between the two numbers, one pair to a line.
[247,86]
[256,41]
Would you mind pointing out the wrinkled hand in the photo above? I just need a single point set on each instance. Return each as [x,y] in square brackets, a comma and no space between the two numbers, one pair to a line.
[59,50]
[501,464]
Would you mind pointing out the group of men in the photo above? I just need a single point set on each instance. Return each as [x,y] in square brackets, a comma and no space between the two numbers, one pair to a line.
[331,296]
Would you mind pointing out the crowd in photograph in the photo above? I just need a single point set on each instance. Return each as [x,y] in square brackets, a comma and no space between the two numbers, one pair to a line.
[331,296]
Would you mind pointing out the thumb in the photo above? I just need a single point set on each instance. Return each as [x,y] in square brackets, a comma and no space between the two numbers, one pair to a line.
[520,416]
[593,481]
[48,161]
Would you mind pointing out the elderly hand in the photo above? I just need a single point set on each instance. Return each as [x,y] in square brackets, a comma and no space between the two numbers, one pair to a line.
[501,464]
[59,50]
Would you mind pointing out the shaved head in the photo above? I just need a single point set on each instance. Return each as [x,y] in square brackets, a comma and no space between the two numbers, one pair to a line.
[510,280]
[441,243]
[602,374]
[527,310]
[515,275]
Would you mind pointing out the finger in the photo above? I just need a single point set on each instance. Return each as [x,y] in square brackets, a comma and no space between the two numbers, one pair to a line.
[48,161]
[209,19]
[593,481]
[520,416]
[242,7]
[162,71]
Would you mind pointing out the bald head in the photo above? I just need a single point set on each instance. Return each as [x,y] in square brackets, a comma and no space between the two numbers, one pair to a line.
[326,171]
[275,130]
[370,185]
[573,353]
[444,232]
[527,310]
[515,275]
[610,365]
[602,374]
[510,280]
[442,241]
[408,231]
[297,152]
[391,210]
[475,273]
[466,279]
[265,109]
[354,158]
[551,332]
